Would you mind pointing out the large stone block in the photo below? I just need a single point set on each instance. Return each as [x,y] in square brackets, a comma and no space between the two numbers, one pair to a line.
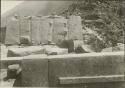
[49,50]
[87,65]
[75,27]
[91,70]
[91,79]
[35,30]
[12,32]
[35,71]
[59,29]
[25,51]
[45,30]
[25,26]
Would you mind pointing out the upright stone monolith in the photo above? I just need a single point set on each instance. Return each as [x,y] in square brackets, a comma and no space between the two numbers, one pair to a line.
[35,30]
[59,29]
[25,27]
[12,31]
[75,27]
[46,30]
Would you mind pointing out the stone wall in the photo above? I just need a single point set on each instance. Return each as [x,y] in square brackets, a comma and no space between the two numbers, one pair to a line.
[43,29]
[98,70]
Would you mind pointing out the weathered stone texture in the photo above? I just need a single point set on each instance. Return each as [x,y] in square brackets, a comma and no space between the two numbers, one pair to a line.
[84,65]
[35,72]
[35,30]
[74,27]
[12,32]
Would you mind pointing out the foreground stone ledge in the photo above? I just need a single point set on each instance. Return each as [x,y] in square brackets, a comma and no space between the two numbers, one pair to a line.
[64,56]
[11,60]
[95,70]
[91,79]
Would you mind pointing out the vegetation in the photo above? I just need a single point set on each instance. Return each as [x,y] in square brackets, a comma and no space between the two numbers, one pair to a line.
[106,18]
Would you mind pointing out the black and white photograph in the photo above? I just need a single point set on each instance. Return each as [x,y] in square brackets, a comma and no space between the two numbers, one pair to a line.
[62,43]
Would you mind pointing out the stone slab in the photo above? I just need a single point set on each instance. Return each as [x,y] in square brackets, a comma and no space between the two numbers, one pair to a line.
[35,72]
[25,51]
[12,32]
[75,27]
[92,64]
[45,30]
[35,30]
[45,71]
[25,26]
[91,79]
[59,27]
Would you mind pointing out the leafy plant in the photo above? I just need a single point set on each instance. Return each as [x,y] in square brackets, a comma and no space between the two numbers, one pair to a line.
[111,28]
